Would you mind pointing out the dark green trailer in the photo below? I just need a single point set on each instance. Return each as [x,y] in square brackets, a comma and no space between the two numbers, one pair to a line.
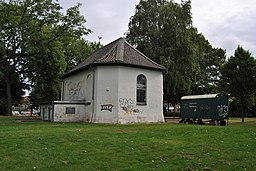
[210,106]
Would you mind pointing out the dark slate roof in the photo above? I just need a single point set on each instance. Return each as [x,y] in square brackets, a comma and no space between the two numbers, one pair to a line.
[117,52]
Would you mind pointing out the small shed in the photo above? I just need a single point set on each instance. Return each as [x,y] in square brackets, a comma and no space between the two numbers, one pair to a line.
[209,106]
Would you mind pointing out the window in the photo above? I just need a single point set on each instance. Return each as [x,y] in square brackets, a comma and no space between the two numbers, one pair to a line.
[141,89]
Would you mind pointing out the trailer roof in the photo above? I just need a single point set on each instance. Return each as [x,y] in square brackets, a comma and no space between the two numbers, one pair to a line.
[205,96]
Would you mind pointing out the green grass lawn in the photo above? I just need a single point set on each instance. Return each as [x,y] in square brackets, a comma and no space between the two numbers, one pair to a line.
[80,146]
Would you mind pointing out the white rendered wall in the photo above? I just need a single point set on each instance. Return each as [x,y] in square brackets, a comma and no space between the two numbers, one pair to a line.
[106,94]
[56,111]
[60,114]
[129,111]
[76,86]
[114,94]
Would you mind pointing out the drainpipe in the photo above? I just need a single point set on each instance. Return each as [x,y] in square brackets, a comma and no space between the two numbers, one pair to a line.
[62,91]
[93,93]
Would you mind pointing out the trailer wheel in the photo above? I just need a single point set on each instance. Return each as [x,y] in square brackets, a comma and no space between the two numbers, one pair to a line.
[190,121]
[212,122]
[223,123]
[199,121]
[182,121]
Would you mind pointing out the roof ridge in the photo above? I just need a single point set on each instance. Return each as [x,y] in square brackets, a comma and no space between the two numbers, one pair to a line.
[143,55]
[120,50]
[111,49]
[110,53]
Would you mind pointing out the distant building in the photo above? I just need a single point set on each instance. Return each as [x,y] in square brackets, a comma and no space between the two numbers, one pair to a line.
[116,84]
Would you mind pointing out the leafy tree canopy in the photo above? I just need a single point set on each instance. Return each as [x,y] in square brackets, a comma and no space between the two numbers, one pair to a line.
[238,78]
[162,30]
[33,38]
[77,50]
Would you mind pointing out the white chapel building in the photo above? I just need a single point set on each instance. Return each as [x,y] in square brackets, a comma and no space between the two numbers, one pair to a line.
[116,84]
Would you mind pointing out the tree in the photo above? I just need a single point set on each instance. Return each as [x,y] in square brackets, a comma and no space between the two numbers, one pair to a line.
[210,62]
[16,89]
[163,30]
[46,84]
[31,34]
[238,78]
[77,50]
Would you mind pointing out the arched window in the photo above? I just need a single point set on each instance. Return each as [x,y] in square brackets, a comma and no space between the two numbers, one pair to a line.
[141,90]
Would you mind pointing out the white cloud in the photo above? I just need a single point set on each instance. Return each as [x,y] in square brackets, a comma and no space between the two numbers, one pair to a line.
[225,23]
[108,19]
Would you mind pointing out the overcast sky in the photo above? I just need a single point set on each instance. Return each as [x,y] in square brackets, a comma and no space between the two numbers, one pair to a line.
[225,23]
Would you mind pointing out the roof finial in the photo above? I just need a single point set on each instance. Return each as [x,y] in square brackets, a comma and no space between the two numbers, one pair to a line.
[99,37]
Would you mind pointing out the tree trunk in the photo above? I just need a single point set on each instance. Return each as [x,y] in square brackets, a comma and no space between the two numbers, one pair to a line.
[243,106]
[243,109]
[9,96]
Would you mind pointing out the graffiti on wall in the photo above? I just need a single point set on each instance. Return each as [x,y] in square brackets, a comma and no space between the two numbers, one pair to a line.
[223,110]
[107,107]
[127,105]
[76,90]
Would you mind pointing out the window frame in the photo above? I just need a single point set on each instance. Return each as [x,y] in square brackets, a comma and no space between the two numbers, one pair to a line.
[141,90]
